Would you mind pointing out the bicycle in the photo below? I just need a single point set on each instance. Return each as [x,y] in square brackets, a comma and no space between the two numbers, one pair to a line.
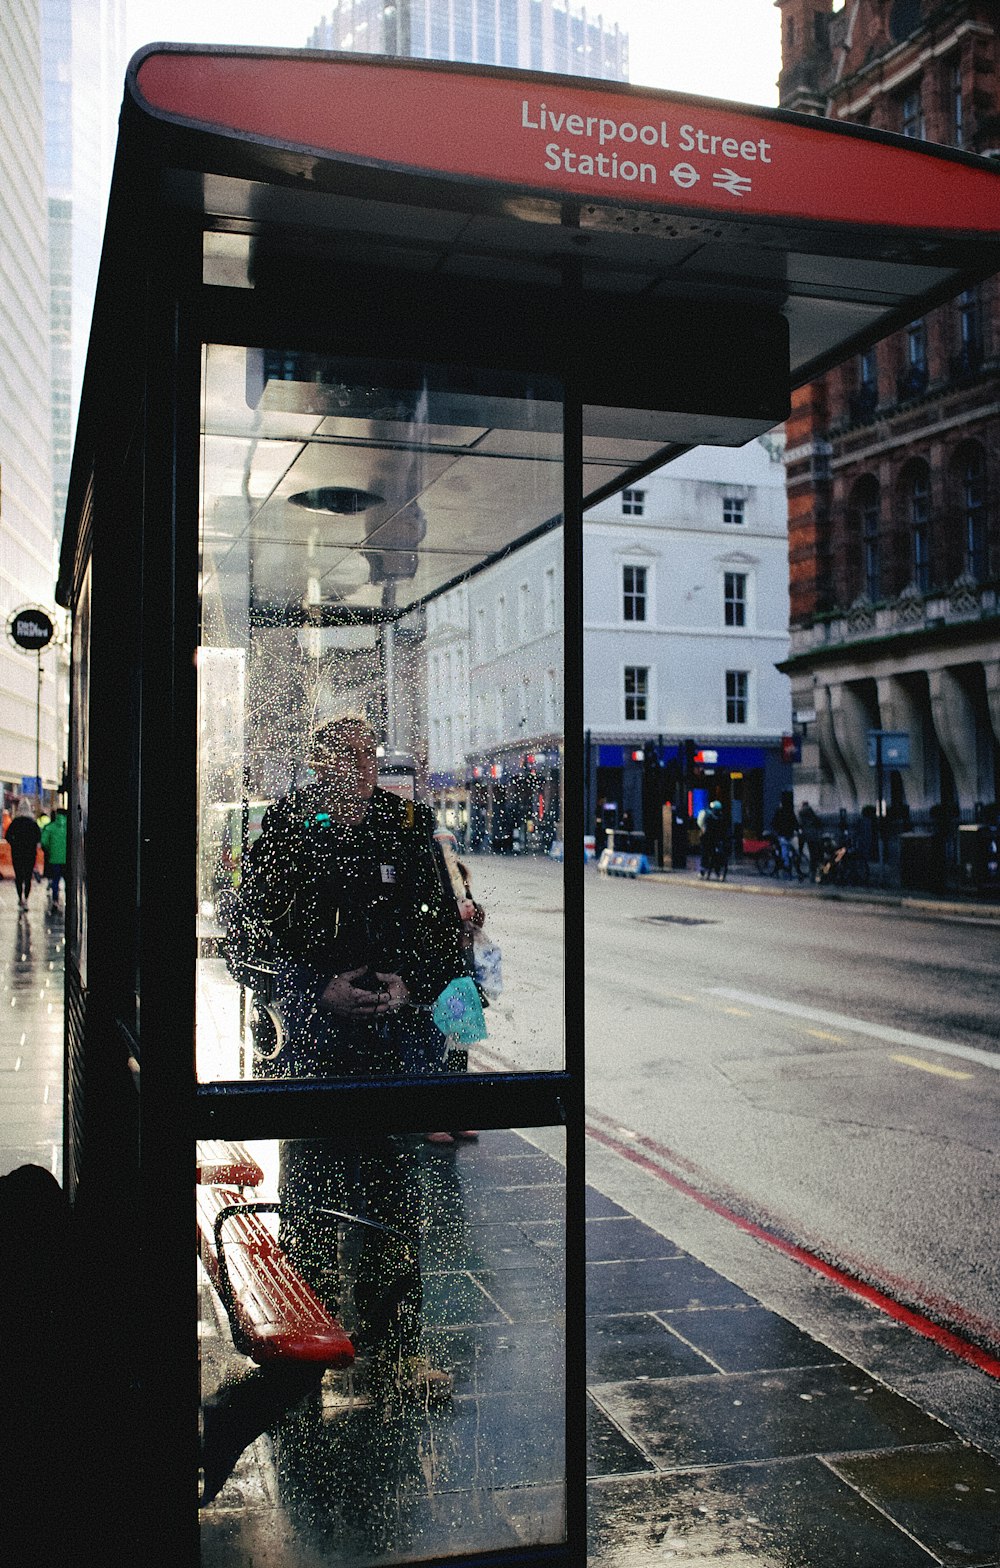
[844,866]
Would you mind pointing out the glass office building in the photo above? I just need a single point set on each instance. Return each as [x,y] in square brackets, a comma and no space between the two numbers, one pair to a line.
[536,35]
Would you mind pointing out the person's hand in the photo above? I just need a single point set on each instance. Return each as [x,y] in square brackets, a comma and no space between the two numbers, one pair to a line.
[347,1000]
[395,992]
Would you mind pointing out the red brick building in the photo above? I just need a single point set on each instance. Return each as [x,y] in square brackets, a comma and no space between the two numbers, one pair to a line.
[893,459]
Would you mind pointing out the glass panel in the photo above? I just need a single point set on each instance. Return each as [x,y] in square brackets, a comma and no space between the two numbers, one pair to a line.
[355,926]
[444,1435]
[80,741]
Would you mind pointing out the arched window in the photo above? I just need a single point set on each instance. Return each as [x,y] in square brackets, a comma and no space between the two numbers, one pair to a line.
[971,466]
[915,485]
[865,514]
[968,512]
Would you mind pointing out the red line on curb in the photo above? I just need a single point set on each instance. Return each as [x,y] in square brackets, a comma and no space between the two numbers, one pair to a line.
[967,1324]
[944,1337]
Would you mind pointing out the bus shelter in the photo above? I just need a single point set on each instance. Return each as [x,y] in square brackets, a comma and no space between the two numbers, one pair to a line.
[366,330]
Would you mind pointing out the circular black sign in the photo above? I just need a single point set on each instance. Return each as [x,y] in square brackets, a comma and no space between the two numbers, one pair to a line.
[31,628]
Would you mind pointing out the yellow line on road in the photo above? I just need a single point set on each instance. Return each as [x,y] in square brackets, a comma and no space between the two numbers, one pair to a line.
[929,1067]
[821,1034]
[737,1012]
[679,996]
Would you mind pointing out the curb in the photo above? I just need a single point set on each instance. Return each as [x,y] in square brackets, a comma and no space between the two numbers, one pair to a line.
[943,908]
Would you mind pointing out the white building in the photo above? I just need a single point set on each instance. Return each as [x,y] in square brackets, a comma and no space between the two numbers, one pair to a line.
[685,618]
[27,552]
[494,700]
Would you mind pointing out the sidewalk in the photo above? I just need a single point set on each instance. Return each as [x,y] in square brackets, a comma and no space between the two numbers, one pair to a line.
[32,950]
[743,878]
[718,1431]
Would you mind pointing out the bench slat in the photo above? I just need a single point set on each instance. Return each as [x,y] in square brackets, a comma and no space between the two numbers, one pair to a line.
[277,1314]
[225,1164]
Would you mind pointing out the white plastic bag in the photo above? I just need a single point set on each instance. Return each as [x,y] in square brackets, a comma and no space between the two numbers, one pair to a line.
[486,965]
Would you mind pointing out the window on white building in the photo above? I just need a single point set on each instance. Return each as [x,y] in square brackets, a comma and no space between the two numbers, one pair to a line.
[735,594]
[733,509]
[551,699]
[481,633]
[737,696]
[634,593]
[549,597]
[523,611]
[501,637]
[633,503]
[636,692]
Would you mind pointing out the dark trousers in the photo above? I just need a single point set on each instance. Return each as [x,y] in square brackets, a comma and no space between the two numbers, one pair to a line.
[372,1256]
[23,869]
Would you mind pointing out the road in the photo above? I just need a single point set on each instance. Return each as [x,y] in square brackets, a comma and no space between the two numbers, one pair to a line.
[827,1070]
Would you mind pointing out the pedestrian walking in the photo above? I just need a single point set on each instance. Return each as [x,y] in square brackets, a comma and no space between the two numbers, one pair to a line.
[785,826]
[23,836]
[714,842]
[53,840]
[811,839]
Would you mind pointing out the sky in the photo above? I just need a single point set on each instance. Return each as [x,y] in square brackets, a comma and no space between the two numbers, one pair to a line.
[722,48]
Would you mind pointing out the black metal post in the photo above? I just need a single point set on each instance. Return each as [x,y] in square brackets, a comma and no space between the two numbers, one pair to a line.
[38,731]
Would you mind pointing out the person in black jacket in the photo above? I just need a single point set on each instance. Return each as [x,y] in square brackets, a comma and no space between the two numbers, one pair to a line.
[343,891]
[23,835]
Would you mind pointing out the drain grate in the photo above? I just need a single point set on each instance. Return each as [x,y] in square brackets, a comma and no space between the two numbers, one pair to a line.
[676,920]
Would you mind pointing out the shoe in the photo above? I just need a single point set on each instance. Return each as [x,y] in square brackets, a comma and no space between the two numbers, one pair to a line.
[415,1378]
[438,1137]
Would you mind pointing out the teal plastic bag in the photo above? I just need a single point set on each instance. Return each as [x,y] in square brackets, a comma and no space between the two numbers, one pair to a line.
[458,1012]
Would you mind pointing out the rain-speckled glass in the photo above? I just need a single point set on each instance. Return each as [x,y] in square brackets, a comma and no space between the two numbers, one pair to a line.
[444,1434]
[380,540]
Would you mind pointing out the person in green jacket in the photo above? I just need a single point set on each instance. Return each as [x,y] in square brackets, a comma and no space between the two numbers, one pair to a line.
[54,845]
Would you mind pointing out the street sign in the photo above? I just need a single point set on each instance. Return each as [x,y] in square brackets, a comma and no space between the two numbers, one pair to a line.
[29,785]
[31,628]
[895,748]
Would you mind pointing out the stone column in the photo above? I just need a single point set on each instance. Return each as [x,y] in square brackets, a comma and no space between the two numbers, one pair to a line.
[831,759]
[900,709]
[852,719]
[955,722]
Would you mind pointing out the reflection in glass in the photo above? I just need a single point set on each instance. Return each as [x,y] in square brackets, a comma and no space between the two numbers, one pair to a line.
[346,508]
[445,1434]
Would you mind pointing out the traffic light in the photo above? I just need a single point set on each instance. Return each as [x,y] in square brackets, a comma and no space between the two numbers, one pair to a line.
[688,751]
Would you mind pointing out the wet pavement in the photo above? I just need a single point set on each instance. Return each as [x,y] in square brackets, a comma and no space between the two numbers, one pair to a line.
[719,1432]
[32,948]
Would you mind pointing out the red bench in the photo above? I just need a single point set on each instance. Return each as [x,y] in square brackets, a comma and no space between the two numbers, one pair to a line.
[222,1164]
[273,1313]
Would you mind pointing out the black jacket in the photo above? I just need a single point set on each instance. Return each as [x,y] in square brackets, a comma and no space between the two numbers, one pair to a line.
[23,835]
[329,897]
